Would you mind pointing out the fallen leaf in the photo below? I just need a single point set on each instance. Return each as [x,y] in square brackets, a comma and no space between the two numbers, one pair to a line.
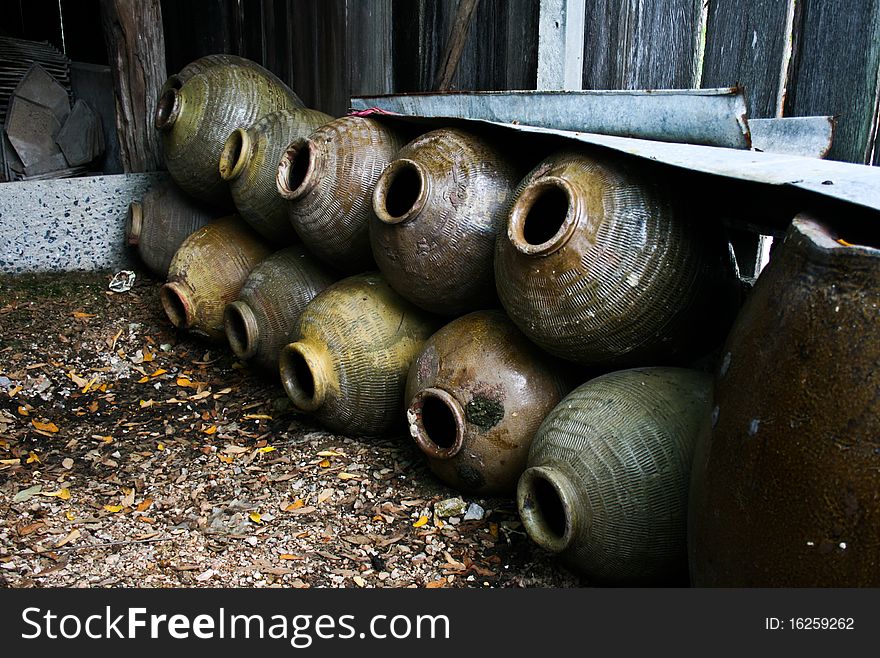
[226,459]
[331,453]
[147,403]
[143,380]
[27,494]
[70,515]
[422,521]
[80,314]
[67,463]
[347,476]
[30,528]
[44,427]
[88,386]
[157,372]
[324,495]
[72,536]
[10,462]
[257,417]
[76,379]
[211,429]
[160,446]
[255,517]
[113,509]
[183,382]
[234,450]
[434,584]
[360,582]
[266,449]
[144,505]
[104,439]
[148,355]
[33,457]
[324,463]
[128,500]
[63,494]
[23,411]
[288,556]
[294,505]
[14,391]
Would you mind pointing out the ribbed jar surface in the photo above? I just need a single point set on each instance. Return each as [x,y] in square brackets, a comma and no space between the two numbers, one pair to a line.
[249,163]
[367,337]
[197,118]
[202,64]
[165,217]
[328,180]
[275,293]
[619,448]
[477,393]
[207,273]
[601,267]
[438,209]
[786,486]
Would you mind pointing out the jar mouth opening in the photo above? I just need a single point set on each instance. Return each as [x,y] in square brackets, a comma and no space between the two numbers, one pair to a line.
[242,329]
[297,170]
[236,154]
[176,303]
[437,423]
[546,507]
[543,217]
[401,191]
[167,109]
[839,235]
[303,376]
[134,223]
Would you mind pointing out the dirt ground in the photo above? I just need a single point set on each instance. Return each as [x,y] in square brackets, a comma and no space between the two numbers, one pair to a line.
[134,455]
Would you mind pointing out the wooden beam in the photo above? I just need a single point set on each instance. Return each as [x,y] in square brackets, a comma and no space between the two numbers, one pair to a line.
[463,16]
[136,52]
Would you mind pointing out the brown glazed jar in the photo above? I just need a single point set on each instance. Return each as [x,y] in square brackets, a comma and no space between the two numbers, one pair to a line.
[207,273]
[161,221]
[196,119]
[249,164]
[608,475]
[477,393]
[350,354]
[786,482]
[328,179]
[259,322]
[439,207]
[177,80]
[599,266]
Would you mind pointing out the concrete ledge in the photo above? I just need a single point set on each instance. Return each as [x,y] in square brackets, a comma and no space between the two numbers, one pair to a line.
[68,224]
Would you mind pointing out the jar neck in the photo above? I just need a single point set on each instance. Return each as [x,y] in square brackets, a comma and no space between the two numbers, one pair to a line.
[305,373]
[436,423]
[401,192]
[544,216]
[548,505]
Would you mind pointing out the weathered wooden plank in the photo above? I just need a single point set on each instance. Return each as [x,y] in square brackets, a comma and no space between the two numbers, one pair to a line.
[640,44]
[421,29]
[196,28]
[278,55]
[745,44]
[455,44]
[370,30]
[319,47]
[136,50]
[835,66]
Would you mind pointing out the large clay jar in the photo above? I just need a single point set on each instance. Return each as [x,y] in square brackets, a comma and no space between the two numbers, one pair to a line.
[160,222]
[350,354]
[477,393]
[259,322]
[207,273]
[600,266]
[439,207]
[786,487]
[328,179]
[196,119]
[249,164]
[177,80]
[608,475]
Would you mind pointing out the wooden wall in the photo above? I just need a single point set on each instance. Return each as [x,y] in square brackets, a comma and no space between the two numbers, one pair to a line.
[795,58]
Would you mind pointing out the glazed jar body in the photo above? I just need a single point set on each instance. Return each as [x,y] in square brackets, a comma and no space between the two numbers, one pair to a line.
[259,322]
[249,164]
[177,80]
[786,488]
[328,180]
[600,266]
[608,475]
[477,393]
[438,208]
[196,119]
[350,353]
[207,273]
[161,221]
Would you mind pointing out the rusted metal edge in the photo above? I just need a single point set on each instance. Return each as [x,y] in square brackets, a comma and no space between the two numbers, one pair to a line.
[807,136]
[714,117]
[842,181]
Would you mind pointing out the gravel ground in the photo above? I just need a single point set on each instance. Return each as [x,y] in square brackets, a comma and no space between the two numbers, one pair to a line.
[134,455]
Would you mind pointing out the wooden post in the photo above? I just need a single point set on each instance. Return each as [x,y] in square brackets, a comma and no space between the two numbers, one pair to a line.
[136,51]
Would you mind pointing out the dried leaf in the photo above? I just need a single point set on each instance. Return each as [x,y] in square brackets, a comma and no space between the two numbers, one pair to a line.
[33,457]
[360,582]
[226,459]
[76,379]
[72,536]
[67,463]
[257,417]
[324,495]
[26,494]
[234,450]
[128,500]
[266,449]
[144,505]
[324,463]
[255,517]
[23,411]
[211,429]
[434,584]
[160,446]
[158,371]
[288,556]
[44,427]
[113,509]
[147,403]
[183,382]
[331,453]
[143,380]
[63,494]
[423,520]
[80,314]
[294,505]
[10,462]
[347,476]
